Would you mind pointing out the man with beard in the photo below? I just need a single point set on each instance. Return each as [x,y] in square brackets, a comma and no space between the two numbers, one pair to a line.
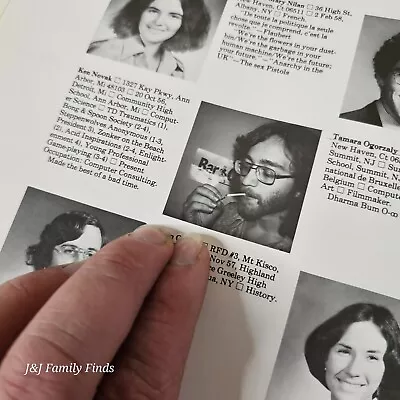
[272,165]
[386,110]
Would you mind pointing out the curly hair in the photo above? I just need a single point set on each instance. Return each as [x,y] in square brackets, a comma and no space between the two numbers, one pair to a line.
[326,335]
[387,57]
[300,144]
[65,227]
[190,36]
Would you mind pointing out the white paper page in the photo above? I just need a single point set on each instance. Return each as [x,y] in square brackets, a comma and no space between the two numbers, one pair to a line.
[3,5]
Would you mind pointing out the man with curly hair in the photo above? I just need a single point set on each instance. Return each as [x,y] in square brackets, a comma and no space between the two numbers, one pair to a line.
[384,111]
[271,168]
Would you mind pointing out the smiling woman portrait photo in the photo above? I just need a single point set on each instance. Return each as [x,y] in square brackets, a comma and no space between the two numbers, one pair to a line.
[355,354]
[341,342]
[149,33]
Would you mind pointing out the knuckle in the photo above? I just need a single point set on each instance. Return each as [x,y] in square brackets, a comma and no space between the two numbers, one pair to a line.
[136,380]
[122,260]
[16,386]
[147,369]
[152,378]
[147,388]
[119,265]
[53,340]
[125,261]
[59,341]
[163,312]
[18,286]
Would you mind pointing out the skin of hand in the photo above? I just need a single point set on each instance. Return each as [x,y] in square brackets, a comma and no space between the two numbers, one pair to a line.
[203,206]
[134,304]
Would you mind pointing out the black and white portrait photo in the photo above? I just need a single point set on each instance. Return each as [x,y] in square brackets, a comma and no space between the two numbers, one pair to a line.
[244,175]
[50,230]
[340,343]
[166,36]
[373,92]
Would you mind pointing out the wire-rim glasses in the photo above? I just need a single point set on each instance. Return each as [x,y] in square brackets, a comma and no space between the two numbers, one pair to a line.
[74,251]
[264,174]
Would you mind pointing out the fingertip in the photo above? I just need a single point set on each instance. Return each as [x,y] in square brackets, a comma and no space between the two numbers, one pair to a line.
[190,252]
[104,297]
[203,260]
[187,250]
[204,254]
[152,234]
[148,246]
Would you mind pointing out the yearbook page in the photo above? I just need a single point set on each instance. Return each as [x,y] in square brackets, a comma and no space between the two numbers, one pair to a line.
[3,5]
[270,127]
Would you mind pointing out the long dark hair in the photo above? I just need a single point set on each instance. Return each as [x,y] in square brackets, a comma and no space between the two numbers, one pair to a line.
[190,36]
[301,143]
[326,335]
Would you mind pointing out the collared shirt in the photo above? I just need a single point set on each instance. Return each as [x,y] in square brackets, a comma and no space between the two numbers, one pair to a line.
[231,223]
[131,51]
[387,120]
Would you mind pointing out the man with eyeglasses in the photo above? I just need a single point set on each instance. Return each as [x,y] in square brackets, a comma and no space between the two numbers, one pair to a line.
[272,165]
[386,110]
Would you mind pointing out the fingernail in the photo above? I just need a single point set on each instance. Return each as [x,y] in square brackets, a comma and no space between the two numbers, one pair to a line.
[187,250]
[151,234]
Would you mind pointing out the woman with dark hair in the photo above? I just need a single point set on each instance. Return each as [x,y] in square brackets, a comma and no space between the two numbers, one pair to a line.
[356,353]
[149,30]
[70,237]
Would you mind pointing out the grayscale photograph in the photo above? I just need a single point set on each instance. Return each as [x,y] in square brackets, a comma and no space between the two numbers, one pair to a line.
[49,230]
[171,37]
[373,91]
[244,175]
[340,343]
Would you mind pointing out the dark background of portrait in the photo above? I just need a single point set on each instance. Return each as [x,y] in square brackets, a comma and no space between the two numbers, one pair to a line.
[215,129]
[362,87]
[315,300]
[39,208]
[192,60]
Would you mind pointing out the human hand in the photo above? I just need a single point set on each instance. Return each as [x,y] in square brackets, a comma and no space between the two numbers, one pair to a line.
[203,206]
[132,307]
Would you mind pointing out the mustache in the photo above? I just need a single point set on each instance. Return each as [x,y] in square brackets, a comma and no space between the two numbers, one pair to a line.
[250,193]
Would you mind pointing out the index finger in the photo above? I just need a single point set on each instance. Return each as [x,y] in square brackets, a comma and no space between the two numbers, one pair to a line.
[86,320]
[22,297]
[210,191]
[214,190]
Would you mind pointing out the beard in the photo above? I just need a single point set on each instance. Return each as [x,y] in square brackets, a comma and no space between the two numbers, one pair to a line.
[252,207]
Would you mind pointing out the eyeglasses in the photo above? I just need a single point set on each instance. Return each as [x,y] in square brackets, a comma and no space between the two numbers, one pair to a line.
[74,251]
[264,174]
